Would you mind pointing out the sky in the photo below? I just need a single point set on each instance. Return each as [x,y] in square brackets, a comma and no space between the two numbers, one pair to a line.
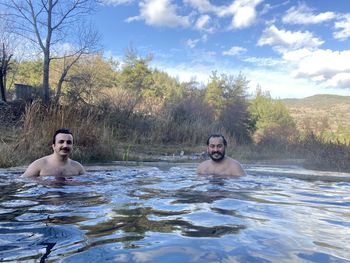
[292,49]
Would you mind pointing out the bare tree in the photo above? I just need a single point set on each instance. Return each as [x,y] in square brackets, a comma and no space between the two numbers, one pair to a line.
[49,24]
[87,43]
[5,58]
[6,54]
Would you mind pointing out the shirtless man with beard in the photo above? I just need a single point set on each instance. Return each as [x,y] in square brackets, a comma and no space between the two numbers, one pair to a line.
[219,164]
[57,165]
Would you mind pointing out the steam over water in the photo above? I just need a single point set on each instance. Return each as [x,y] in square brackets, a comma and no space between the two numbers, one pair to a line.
[169,214]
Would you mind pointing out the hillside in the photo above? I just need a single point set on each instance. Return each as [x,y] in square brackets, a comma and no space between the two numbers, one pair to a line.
[324,114]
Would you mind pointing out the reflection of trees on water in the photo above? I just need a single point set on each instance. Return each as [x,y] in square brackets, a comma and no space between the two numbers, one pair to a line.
[134,223]
[79,199]
[46,203]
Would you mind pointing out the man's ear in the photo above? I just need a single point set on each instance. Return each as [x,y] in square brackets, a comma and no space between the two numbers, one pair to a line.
[53,146]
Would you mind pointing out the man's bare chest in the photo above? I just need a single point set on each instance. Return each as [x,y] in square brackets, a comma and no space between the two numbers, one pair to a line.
[58,170]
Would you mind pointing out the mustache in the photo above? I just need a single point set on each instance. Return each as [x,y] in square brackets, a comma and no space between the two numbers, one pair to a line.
[65,148]
[217,153]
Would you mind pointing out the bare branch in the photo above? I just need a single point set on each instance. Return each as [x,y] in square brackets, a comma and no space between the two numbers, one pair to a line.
[48,24]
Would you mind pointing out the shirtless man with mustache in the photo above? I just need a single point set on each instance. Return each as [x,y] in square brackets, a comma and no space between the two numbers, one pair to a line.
[219,164]
[57,165]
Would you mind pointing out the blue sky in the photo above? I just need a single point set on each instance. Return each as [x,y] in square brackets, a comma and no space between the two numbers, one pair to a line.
[292,49]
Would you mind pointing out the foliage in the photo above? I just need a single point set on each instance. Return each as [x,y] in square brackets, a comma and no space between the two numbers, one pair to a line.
[164,87]
[323,155]
[49,25]
[226,96]
[135,74]
[326,116]
[89,76]
[273,123]
[111,108]
[214,94]
[186,120]
[91,133]
[29,72]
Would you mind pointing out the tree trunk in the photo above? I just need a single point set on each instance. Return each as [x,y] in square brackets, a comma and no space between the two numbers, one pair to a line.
[4,66]
[2,87]
[46,51]
[46,85]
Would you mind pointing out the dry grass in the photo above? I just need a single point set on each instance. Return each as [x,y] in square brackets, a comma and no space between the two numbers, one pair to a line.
[91,133]
[320,155]
[113,131]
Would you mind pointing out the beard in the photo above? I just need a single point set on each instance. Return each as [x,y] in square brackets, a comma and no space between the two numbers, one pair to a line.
[217,156]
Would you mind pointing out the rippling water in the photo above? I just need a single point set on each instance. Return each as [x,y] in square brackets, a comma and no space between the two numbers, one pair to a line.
[169,214]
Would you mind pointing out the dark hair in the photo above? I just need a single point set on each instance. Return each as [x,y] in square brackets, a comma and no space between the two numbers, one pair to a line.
[217,136]
[62,130]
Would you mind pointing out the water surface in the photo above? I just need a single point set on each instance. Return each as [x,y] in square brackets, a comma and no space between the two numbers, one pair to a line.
[169,214]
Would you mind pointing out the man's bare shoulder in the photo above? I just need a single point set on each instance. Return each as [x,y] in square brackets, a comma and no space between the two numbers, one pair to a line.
[42,160]
[201,169]
[204,163]
[232,161]
[78,166]
[36,166]
[235,166]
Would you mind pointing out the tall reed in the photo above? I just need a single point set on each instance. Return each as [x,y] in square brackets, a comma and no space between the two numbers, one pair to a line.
[93,138]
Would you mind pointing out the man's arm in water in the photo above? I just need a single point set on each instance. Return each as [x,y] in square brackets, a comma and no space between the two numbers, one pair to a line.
[80,167]
[236,168]
[201,169]
[34,168]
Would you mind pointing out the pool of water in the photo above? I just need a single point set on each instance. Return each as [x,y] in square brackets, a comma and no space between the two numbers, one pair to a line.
[167,213]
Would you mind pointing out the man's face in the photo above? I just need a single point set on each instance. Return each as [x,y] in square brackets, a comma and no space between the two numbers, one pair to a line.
[216,149]
[63,144]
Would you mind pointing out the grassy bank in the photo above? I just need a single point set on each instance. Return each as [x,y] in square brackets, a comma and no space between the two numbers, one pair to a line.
[112,134]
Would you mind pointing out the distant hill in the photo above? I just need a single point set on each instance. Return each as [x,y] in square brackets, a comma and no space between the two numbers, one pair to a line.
[322,101]
[321,113]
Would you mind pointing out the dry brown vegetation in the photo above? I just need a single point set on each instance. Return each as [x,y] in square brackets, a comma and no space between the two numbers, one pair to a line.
[137,113]
[327,116]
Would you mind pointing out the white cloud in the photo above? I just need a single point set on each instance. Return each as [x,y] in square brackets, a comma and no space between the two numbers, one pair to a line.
[280,83]
[330,67]
[192,42]
[284,40]
[204,23]
[340,80]
[304,15]
[203,6]
[344,28]
[243,11]
[296,55]
[61,49]
[160,13]
[116,2]
[233,51]
[263,62]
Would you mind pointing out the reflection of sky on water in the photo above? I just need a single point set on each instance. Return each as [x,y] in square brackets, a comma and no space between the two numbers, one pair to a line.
[146,214]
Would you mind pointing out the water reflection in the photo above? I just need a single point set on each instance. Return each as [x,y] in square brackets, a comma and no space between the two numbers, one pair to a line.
[144,214]
[137,221]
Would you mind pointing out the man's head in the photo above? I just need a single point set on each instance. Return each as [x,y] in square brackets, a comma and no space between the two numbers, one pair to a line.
[62,142]
[216,147]
[62,130]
